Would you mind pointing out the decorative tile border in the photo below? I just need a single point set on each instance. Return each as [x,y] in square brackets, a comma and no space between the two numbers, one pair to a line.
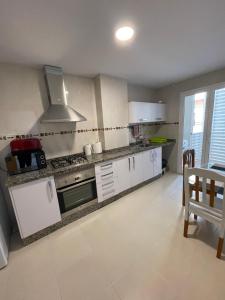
[51,133]
[62,132]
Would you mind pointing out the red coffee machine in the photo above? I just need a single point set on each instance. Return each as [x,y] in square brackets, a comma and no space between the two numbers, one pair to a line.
[29,153]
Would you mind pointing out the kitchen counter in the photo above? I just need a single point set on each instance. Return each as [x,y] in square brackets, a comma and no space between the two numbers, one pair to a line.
[91,161]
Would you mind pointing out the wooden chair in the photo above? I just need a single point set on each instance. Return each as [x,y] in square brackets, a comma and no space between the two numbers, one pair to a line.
[204,207]
[189,160]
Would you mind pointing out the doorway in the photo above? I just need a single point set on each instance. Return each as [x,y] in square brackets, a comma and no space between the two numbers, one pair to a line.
[194,124]
[202,125]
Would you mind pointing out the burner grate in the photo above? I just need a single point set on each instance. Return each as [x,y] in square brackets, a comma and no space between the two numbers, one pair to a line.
[75,159]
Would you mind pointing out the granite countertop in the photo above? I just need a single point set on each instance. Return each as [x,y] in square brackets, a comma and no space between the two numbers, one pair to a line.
[91,161]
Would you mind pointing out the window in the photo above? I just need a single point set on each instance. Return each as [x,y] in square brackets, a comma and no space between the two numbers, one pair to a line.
[203,127]
[199,113]
[217,141]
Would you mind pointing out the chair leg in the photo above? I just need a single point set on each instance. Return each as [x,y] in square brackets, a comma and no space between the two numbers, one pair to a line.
[186,223]
[183,200]
[219,248]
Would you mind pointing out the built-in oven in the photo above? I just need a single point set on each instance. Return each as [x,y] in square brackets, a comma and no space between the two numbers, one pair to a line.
[75,189]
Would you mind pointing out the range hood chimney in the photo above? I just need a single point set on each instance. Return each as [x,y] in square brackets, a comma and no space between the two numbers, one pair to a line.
[58,110]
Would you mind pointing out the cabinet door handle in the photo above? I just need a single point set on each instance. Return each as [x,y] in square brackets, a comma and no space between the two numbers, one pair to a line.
[152,155]
[50,190]
[129,163]
[133,163]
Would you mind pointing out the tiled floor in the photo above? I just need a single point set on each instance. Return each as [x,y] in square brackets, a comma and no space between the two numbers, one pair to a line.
[131,249]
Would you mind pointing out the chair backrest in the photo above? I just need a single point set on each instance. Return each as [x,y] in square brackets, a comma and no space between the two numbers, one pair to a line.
[205,182]
[189,158]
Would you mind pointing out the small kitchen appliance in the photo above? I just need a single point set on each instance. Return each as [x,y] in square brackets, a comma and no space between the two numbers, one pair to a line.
[65,161]
[97,147]
[87,149]
[75,189]
[28,155]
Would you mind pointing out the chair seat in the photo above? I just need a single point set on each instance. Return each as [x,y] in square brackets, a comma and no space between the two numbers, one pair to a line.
[210,214]
[202,202]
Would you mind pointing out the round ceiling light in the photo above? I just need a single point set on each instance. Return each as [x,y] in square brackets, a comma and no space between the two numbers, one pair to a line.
[124,33]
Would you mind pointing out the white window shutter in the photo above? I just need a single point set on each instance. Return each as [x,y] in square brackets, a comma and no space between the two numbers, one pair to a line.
[217,143]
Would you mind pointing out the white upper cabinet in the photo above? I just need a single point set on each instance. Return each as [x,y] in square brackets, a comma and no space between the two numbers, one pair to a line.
[139,112]
[36,205]
[145,112]
[159,111]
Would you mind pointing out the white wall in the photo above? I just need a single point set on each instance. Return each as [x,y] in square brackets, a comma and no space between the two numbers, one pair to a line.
[23,100]
[140,93]
[112,107]
[171,95]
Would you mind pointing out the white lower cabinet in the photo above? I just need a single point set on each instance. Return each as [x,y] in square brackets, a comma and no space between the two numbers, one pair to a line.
[157,161]
[105,180]
[148,165]
[36,205]
[123,169]
[137,165]
[152,165]
[129,171]
[119,175]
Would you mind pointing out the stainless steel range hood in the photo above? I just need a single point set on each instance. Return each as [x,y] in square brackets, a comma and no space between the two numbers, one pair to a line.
[58,111]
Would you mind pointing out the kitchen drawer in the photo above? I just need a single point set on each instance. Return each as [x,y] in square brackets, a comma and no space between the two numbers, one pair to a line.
[106,184]
[105,168]
[106,194]
[102,178]
[106,188]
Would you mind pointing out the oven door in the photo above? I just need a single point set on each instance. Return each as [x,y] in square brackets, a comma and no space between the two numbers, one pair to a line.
[76,194]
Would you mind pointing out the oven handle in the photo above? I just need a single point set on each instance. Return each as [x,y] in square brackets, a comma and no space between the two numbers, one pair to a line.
[74,186]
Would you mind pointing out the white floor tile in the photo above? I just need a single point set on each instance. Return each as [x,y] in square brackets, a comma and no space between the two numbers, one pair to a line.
[131,249]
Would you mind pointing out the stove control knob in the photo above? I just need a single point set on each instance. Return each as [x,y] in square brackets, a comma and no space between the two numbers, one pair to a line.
[77,178]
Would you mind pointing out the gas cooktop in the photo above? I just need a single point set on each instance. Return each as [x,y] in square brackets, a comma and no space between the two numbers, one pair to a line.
[75,159]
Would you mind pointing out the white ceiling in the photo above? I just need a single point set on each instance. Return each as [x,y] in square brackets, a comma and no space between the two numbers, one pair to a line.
[175,39]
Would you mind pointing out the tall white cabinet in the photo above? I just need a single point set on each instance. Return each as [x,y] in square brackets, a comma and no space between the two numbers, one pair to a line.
[36,205]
